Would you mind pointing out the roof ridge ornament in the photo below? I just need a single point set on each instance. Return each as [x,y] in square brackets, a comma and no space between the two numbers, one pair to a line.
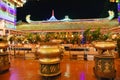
[52,18]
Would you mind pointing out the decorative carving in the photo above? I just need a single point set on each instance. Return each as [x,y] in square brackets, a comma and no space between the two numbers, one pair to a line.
[104,62]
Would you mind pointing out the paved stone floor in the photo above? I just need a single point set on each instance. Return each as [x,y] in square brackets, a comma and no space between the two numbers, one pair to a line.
[28,69]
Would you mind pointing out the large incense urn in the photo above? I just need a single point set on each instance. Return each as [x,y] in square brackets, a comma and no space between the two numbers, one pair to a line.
[3,44]
[4,60]
[104,61]
[49,58]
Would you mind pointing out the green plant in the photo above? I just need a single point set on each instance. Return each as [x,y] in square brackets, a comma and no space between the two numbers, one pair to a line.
[87,35]
[96,35]
[11,38]
[104,37]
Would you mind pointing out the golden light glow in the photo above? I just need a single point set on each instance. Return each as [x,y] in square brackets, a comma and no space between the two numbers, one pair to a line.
[112,0]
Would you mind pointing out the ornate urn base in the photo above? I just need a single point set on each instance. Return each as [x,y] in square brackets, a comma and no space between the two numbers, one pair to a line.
[104,67]
[104,62]
[4,59]
[50,67]
[4,62]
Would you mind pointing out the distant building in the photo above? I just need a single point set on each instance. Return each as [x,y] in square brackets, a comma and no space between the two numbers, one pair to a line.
[8,15]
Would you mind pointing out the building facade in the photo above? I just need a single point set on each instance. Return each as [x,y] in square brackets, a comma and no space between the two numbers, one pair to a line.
[8,15]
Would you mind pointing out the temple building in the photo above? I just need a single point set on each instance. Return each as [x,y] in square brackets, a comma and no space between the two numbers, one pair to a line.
[58,49]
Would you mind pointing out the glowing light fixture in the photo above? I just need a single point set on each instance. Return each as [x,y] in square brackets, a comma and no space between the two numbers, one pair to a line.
[112,0]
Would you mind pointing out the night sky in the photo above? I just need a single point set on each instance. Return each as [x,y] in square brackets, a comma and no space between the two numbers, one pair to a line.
[75,9]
